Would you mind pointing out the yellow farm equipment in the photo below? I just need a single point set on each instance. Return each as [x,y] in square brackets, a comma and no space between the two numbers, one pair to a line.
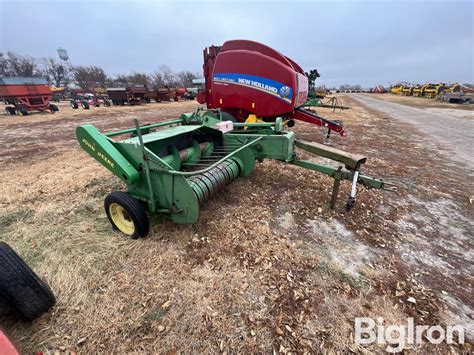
[433,89]
[419,90]
[452,93]
[451,88]
[407,90]
[396,89]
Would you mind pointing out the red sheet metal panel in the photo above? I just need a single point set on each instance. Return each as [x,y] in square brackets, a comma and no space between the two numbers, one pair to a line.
[23,86]
[250,77]
[6,347]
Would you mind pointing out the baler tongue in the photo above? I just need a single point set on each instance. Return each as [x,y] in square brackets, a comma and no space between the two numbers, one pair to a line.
[301,114]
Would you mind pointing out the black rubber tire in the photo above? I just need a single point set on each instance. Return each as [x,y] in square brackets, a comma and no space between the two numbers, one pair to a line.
[85,105]
[226,116]
[21,111]
[10,110]
[74,105]
[53,108]
[135,211]
[21,288]
[107,103]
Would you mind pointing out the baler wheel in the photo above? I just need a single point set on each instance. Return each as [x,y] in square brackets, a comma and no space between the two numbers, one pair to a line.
[126,214]
[74,104]
[21,288]
[21,111]
[53,108]
[227,117]
[85,105]
[10,110]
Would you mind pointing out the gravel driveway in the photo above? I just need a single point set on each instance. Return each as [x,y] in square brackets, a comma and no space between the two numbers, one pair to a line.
[454,129]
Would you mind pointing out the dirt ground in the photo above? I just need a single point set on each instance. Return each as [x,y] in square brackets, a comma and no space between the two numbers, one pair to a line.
[451,127]
[267,267]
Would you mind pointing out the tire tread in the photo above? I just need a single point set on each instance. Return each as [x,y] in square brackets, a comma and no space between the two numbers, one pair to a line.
[21,287]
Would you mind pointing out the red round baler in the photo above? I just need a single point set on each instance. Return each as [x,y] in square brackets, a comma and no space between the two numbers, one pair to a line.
[246,77]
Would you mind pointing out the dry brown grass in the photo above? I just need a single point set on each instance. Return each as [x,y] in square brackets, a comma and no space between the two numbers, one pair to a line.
[251,275]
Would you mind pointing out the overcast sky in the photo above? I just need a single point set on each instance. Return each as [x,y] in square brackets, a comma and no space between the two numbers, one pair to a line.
[356,42]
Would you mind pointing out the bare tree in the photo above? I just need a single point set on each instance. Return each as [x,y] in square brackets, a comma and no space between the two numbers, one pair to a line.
[118,81]
[185,78]
[13,64]
[89,77]
[157,80]
[56,73]
[3,65]
[130,80]
[139,79]
[168,76]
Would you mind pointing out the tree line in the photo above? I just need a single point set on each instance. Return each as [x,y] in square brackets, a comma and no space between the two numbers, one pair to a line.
[61,74]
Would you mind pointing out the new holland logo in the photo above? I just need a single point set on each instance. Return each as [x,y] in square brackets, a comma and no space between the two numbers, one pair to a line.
[285,91]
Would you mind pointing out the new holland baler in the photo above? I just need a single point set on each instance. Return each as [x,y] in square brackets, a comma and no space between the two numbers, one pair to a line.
[250,81]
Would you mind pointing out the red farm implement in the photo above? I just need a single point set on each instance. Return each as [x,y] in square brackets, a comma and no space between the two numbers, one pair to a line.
[252,82]
[169,94]
[26,94]
[132,95]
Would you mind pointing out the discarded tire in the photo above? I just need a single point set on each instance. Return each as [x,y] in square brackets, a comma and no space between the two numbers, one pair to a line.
[21,288]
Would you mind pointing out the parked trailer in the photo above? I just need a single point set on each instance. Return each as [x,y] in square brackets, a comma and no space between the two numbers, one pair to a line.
[164,94]
[179,94]
[26,94]
[170,94]
[150,95]
[132,95]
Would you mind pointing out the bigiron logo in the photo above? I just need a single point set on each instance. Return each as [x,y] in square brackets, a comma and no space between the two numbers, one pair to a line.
[397,337]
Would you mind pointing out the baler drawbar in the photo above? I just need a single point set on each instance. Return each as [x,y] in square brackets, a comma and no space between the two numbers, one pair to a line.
[172,171]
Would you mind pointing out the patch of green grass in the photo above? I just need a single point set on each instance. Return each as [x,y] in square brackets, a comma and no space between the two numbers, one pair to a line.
[9,218]
[338,274]
[156,314]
